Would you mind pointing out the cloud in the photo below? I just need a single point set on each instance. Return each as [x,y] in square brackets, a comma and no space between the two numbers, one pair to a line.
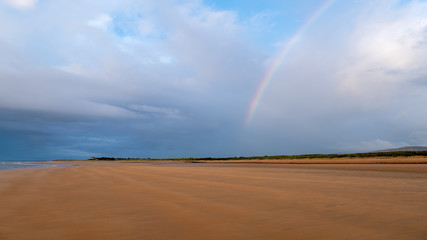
[418,137]
[102,21]
[146,27]
[175,79]
[22,4]
[369,146]
[388,51]
[169,113]
[160,78]
[351,78]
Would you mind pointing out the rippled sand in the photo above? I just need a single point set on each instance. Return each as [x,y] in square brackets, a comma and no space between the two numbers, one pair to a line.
[105,200]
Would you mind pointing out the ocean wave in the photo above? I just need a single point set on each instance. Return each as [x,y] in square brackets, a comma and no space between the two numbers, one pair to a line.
[7,165]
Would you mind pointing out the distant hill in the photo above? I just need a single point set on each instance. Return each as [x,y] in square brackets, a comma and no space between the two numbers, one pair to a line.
[406,149]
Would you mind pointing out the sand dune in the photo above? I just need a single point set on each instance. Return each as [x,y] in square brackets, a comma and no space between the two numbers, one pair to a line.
[346,160]
[98,200]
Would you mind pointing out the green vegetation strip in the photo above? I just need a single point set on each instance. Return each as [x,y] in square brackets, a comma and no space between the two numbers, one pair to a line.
[305,156]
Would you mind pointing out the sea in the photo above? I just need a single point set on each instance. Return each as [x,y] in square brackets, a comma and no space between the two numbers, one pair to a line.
[13,164]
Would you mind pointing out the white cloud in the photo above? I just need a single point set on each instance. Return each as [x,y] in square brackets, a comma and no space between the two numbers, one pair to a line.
[22,4]
[386,52]
[102,22]
[73,68]
[369,65]
[165,59]
[146,27]
[355,76]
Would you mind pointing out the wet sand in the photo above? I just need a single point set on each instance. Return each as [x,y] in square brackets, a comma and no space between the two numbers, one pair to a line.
[116,200]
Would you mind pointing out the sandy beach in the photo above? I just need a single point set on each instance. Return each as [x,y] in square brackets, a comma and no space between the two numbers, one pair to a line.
[125,200]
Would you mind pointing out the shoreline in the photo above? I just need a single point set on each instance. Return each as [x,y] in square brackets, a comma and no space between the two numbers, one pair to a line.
[16,165]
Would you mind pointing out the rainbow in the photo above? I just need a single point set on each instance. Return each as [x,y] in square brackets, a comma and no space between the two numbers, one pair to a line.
[279,58]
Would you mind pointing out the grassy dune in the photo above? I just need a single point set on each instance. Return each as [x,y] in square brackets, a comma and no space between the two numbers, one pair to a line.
[284,157]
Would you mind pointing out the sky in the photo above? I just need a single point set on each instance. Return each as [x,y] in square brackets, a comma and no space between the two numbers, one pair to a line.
[210,78]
